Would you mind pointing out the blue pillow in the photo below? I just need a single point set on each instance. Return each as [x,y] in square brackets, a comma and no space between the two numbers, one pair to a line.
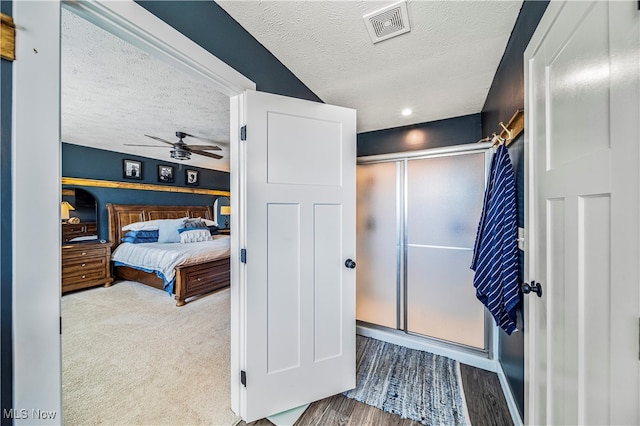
[213,230]
[143,234]
[138,240]
[168,230]
[137,237]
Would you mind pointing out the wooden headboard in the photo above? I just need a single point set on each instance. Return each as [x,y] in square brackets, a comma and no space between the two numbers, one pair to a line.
[123,214]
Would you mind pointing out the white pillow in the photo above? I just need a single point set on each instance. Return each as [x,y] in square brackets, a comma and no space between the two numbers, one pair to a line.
[149,225]
[168,230]
[195,235]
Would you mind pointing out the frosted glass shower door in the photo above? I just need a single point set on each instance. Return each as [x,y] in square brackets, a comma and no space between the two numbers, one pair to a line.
[377,233]
[444,203]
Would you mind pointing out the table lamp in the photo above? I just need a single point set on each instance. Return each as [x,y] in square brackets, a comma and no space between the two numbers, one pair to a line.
[226,212]
[65,207]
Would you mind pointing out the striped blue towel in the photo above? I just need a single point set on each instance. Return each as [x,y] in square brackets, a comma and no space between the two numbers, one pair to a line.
[495,254]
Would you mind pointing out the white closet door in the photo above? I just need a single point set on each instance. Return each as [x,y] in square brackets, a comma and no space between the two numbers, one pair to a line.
[444,203]
[378,243]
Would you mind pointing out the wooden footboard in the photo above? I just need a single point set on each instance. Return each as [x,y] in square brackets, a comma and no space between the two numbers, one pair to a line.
[191,280]
[201,278]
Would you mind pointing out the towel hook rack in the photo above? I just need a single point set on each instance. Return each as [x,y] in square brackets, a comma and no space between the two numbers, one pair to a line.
[510,131]
[506,130]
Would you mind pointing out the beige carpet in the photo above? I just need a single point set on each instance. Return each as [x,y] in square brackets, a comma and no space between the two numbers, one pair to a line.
[130,356]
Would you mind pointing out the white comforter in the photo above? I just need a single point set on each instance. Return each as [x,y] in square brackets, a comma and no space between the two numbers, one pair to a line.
[164,257]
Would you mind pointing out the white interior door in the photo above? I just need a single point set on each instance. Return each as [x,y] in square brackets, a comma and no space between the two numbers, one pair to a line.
[583,89]
[297,224]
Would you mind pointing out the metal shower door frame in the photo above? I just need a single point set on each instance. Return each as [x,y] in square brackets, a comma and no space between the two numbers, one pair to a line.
[402,161]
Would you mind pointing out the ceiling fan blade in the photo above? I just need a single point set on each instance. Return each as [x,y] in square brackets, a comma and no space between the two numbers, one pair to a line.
[207,154]
[207,139]
[148,146]
[207,147]
[159,139]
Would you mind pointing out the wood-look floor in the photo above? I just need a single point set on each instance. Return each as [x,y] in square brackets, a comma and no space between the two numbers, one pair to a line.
[485,402]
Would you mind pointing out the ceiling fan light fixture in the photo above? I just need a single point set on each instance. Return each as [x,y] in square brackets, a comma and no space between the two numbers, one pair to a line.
[180,154]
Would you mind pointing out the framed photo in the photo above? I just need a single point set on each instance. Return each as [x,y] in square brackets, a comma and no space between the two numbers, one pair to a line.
[132,169]
[165,173]
[192,177]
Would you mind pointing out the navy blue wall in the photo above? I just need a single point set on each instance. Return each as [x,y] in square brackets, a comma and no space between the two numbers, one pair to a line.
[434,134]
[6,357]
[211,27]
[505,97]
[83,162]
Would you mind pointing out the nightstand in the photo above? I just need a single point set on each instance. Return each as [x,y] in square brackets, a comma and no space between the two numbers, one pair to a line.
[225,231]
[83,229]
[85,264]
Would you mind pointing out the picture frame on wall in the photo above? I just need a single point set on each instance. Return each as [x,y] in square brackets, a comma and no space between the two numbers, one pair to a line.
[165,173]
[191,177]
[132,169]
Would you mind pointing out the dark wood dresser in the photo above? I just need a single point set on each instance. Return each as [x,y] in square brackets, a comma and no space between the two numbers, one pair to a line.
[85,264]
[82,229]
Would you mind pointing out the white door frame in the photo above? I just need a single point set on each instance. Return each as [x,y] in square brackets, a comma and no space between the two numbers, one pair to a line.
[36,172]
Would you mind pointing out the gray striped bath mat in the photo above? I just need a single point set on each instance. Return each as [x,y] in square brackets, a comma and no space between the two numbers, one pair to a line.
[413,384]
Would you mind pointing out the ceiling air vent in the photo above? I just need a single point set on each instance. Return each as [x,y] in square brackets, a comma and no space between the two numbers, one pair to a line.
[387,22]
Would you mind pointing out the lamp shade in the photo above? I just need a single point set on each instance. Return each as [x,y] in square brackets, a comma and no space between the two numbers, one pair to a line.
[65,207]
[225,210]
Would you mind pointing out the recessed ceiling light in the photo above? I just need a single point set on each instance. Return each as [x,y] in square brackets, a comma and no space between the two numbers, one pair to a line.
[407,111]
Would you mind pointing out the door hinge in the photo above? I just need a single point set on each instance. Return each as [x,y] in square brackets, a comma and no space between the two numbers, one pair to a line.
[60,325]
[8,39]
[243,133]
[243,255]
[243,378]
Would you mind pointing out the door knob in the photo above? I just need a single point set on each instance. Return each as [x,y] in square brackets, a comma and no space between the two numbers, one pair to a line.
[350,264]
[534,287]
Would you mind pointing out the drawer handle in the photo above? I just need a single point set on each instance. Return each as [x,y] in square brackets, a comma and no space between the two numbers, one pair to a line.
[84,276]
[84,253]
[84,264]
[199,279]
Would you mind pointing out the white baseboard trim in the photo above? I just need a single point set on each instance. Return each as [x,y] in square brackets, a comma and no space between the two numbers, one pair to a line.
[508,395]
[412,342]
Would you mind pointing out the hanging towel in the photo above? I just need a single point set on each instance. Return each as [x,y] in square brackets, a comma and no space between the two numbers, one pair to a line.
[495,254]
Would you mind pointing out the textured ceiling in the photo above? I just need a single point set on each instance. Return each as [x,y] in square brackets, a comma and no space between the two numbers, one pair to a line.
[113,93]
[442,68]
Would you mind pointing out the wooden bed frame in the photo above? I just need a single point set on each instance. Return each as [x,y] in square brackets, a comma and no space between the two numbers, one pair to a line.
[191,280]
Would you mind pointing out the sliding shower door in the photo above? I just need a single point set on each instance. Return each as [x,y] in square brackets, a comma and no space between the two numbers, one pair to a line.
[417,216]
[377,226]
[444,203]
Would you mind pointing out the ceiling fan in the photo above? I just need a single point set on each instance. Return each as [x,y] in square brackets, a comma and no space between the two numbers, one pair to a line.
[182,151]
